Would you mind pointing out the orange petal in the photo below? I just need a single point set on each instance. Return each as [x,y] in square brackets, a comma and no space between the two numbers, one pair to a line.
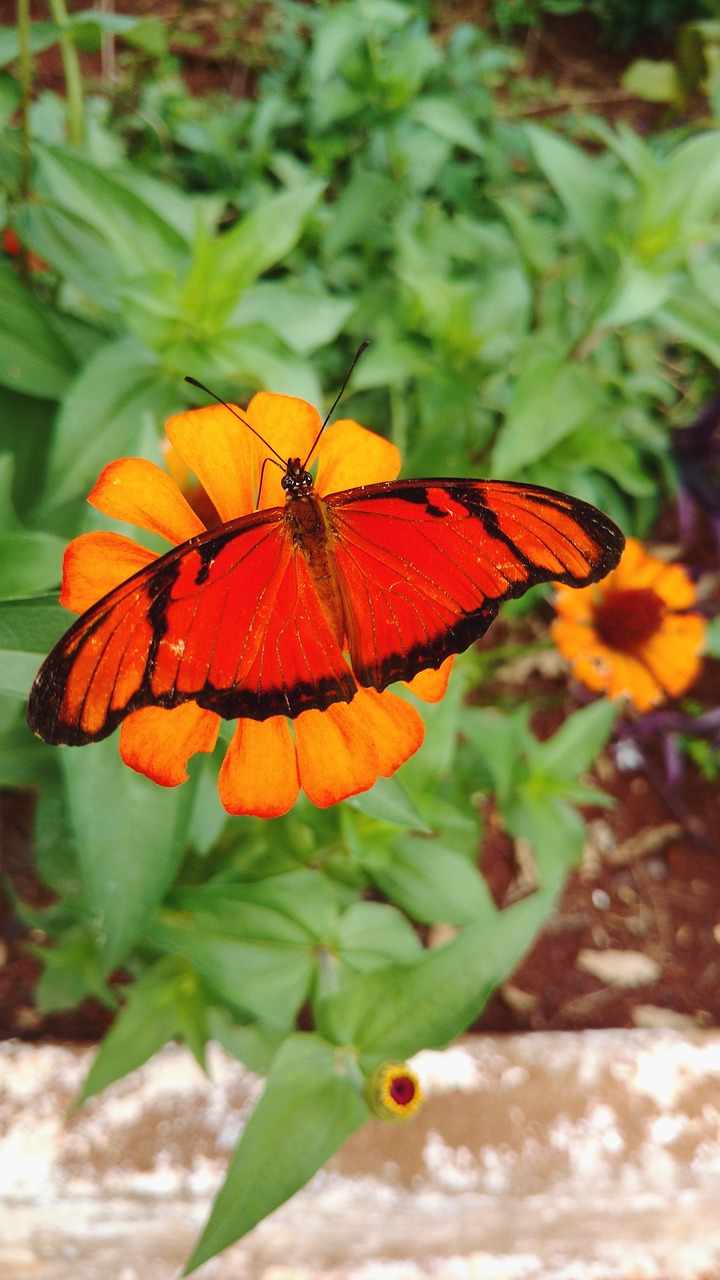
[259,775]
[342,750]
[96,563]
[159,743]
[291,427]
[396,727]
[572,638]
[619,675]
[673,653]
[675,586]
[579,604]
[638,570]
[349,455]
[337,756]
[138,492]
[224,455]
[431,685]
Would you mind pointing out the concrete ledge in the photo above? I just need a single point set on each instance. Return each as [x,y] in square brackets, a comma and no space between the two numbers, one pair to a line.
[574,1156]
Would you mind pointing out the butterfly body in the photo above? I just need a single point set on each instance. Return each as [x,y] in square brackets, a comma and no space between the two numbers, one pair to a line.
[255,617]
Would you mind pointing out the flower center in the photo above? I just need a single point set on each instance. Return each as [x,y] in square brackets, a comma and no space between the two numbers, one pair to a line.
[626,619]
[402,1090]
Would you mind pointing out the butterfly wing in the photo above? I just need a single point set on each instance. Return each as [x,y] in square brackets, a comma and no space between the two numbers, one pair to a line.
[424,565]
[229,619]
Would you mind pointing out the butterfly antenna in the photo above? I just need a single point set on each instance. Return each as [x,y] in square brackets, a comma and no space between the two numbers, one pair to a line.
[201,387]
[363,347]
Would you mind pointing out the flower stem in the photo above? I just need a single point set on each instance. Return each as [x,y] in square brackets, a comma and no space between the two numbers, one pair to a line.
[25,66]
[73,78]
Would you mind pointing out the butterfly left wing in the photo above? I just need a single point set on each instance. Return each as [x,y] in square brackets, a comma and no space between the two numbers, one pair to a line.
[424,565]
[229,620]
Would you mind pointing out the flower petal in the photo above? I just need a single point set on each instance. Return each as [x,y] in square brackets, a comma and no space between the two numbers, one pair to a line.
[396,728]
[673,653]
[138,492]
[337,754]
[675,586]
[619,675]
[431,685]
[96,563]
[159,743]
[638,569]
[224,455]
[349,455]
[291,427]
[259,774]
[579,604]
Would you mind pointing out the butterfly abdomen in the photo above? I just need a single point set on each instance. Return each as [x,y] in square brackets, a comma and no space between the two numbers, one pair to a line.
[312,533]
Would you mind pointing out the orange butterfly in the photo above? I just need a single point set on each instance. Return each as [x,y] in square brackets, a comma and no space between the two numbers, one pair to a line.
[253,618]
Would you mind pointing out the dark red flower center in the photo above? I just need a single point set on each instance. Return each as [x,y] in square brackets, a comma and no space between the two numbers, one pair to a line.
[626,619]
[402,1090]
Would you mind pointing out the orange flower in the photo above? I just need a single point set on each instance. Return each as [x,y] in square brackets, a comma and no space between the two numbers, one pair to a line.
[631,635]
[331,754]
[12,246]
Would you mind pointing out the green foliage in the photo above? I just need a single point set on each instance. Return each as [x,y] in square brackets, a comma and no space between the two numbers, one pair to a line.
[620,21]
[695,69]
[535,308]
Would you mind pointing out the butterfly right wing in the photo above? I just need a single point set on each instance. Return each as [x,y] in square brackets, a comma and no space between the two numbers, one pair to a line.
[230,620]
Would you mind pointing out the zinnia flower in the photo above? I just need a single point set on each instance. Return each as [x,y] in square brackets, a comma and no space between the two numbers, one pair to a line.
[632,635]
[13,247]
[331,754]
[392,1091]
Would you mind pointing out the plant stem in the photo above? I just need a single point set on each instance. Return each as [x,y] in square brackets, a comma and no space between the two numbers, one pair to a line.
[25,61]
[73,78]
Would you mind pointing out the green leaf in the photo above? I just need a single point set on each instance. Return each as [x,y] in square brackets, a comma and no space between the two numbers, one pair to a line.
[130,835]
[308,1109]
[263,968]
[9,98]
[395,1011]
[32,626]
[552,398]
[139,238]
[303,318]
[225,266]
[296,906]
[148,1019]
[555,831]
[41,36]
[30,562]
[692,318]
[33,358]
[363,211]
[253,1043]
[431,882]
[575,746]
[388,801]
[70,973]
[119,389]
[28,628]
[585,188]
[76,250]
[636,293]
[446,117]
[653,81]
[372,933]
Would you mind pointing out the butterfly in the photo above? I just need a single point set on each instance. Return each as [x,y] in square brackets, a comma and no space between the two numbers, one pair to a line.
[254,618]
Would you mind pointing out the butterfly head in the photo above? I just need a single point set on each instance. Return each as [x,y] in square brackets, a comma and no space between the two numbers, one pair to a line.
[297,481]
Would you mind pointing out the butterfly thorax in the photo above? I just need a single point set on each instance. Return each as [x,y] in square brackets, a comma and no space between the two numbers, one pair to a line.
[310,527]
